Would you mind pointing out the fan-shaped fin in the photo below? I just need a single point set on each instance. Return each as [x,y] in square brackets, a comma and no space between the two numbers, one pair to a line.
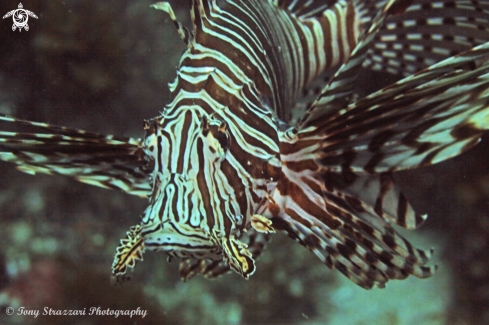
[101,160]
[347,225]
[336,95]
[336,194]
[421,120]
[428,32]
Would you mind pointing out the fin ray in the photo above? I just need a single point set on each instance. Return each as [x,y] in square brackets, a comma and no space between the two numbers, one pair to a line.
[101,160]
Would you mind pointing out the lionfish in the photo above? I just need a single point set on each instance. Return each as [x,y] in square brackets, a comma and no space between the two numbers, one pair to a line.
[224,165]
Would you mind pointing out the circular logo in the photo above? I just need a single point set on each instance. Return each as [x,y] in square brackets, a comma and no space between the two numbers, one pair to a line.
[9,310]
[20,18]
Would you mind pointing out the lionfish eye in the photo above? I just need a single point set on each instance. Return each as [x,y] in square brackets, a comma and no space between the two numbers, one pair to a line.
[222,136]
[217,128]
[204,124]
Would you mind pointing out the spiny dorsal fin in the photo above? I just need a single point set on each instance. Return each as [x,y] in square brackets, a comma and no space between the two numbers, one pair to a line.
[182,30]
[336,95]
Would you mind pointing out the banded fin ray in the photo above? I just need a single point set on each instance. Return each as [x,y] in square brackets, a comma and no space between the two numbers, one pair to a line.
[342,208]
[428,32]
[336,196]
[421,120]
[224,169]
[336,95]
[102,160]
[345,220]
[183,31]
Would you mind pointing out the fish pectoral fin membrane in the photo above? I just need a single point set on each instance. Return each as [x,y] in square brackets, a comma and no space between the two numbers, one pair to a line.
[107,161]
[348,226]
[364,259]
[336,95]
[127,254]
[238,257]
[446,27]
[418,121]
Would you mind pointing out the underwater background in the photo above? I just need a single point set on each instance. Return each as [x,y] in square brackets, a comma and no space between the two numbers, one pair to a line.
[103,66]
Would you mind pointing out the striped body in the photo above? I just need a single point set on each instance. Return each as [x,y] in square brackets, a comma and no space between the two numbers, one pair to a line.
[228,101]
[226,164]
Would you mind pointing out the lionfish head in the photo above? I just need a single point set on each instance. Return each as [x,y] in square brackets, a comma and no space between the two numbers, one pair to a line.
[186,150]
[192,211]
